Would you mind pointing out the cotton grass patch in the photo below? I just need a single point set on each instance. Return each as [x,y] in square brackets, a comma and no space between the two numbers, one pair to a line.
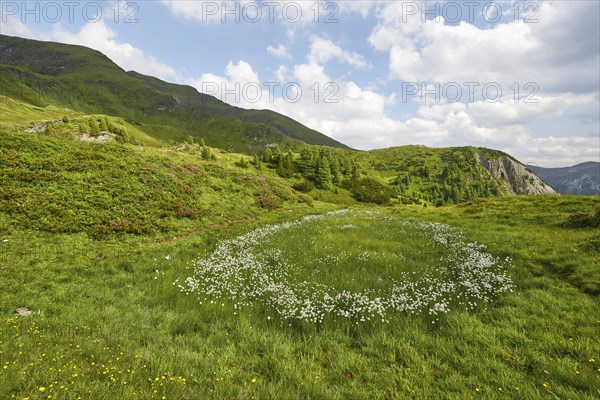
[355,265]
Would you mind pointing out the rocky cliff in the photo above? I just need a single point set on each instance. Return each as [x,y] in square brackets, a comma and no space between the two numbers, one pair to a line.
[513,177]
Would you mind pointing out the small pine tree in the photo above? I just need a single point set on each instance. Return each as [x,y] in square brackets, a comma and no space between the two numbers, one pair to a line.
[256,162]
[189,139]
[323,176]
[206,153]
[267,155]
[242,163]
[336,174]
[285,165]
[94,130]
[104,124]
[202,142]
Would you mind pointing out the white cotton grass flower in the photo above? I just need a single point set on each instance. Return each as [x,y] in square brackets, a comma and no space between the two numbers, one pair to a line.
[245,270]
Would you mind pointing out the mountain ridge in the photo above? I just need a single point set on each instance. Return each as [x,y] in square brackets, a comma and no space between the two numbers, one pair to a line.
[582,178]
[170,114]
[86,80]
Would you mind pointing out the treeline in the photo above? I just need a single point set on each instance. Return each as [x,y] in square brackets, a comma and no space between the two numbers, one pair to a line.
[327,169]
[450,177]
[456,177]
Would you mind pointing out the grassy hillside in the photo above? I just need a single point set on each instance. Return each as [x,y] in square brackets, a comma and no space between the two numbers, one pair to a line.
[57,185]
[436,175]
[84,80]
[185,272]
[193,100]
[108,320]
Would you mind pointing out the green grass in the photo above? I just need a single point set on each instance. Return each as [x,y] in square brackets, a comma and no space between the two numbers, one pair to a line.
[93,237]
[85,80]
[131,322]
[59,185]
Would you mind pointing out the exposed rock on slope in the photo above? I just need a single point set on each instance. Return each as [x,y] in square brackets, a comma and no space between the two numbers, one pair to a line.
[513,177]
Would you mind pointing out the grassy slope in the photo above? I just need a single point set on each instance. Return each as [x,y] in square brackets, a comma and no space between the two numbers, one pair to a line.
[107,324]
[424,169]
[286,125]
[85,80]
[61,185]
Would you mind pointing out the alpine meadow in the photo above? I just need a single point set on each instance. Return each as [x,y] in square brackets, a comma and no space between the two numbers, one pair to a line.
[159,240]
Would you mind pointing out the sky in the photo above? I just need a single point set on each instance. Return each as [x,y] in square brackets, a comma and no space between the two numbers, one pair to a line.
[518,76]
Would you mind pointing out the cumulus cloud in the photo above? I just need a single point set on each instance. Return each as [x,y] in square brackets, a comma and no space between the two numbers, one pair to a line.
[559,151]
[279,51]
[14,27]
[559,53]
[100,37]
[338,108]
[323,50]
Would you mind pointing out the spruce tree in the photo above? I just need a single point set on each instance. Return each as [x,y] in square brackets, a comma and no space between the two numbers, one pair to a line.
[336,175]
[94,130]
[206,153]
[323,176]
[104,124]
[267,155]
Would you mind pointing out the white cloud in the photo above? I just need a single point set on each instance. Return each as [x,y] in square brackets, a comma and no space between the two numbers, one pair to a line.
[559,53]
[559,151]
[338,108]
[324,50]
[279,51]
[100,37]
[14,27]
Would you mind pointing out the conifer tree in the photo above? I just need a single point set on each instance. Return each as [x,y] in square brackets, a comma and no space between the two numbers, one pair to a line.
[267,155]
[323,176]
[104,124]
[94,130]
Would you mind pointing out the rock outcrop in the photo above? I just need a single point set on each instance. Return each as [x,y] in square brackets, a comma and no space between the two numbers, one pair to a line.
[513,177]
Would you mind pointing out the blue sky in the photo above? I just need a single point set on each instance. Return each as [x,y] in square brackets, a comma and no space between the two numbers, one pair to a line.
[371,74]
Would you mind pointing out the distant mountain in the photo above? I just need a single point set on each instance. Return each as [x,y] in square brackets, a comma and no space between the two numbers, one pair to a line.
[85,80]
[579,179]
